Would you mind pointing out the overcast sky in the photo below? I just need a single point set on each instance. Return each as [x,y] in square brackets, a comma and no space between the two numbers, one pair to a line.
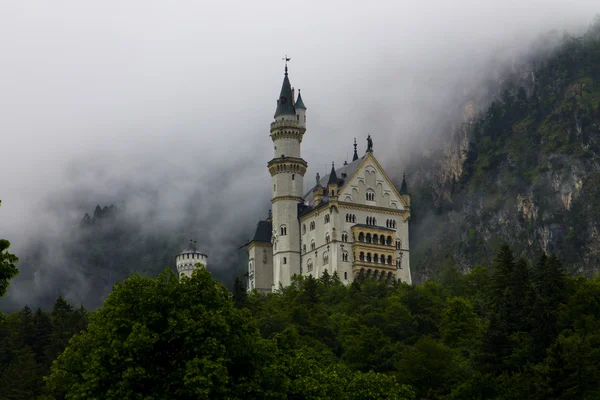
[99,99]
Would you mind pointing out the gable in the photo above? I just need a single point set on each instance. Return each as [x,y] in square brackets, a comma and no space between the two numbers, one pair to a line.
[371,178]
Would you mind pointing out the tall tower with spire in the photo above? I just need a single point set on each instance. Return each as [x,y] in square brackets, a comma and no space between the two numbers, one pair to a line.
[287,169]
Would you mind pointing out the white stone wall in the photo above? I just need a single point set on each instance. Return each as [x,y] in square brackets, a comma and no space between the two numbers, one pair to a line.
[186,263]
[287,184]
[260,267]
[287,147]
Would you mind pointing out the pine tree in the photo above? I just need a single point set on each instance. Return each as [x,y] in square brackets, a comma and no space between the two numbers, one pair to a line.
[240,295]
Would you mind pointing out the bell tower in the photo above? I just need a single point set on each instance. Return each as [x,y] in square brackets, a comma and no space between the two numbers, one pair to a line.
[287,169]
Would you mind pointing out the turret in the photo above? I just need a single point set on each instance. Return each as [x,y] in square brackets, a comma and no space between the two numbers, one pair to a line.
[332,184]
[190,259]
[287,169]
[404,190]
[300,110]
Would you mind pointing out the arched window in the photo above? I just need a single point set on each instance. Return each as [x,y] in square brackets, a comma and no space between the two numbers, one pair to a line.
[389,260]
[303,229]
[347,218]
[326,218]
[283,230]
[325,258]
[369,259]
[362,256]
[327,239]
[389,241]
[398,244]
[304,248]
[374,221]
[375,258]
[345,256]
[344,237]
[309,265]
[375,238]
[361,237]
[382,259]
[284,260]
[345,276]
[368,238]
[370,195]
[312,226]
[292,176]
[394,224]
[312,245]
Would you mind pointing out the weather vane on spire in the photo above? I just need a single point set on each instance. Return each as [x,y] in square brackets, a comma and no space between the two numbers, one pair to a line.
[286,59]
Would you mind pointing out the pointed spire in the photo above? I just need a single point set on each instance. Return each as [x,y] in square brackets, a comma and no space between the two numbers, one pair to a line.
[355,157]
[299,103]
[285,104]
[404,186]
[333,179]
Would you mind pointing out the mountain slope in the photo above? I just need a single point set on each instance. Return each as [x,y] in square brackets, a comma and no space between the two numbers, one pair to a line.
[525,171]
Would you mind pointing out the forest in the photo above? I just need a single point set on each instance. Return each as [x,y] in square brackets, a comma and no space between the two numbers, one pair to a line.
[518,329]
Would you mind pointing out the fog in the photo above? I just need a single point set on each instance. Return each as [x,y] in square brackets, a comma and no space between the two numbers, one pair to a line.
[164,107]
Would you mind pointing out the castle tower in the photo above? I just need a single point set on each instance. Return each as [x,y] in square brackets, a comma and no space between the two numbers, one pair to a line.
[287,169]
[188,259]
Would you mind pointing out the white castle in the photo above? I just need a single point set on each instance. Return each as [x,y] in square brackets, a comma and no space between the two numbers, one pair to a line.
[352,222]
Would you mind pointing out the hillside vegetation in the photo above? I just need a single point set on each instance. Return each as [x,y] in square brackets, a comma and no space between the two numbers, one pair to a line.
[530,171]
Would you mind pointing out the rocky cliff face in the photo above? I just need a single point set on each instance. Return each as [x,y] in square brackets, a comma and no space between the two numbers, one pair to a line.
[524,171]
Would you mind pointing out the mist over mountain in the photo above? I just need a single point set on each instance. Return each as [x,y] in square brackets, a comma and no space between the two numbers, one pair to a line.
[164,114]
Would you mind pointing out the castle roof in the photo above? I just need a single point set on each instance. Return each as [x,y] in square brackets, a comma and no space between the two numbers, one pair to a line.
[191,249]
[299,103]
[333,179]
[346,170]
[285,104]
[404,187]
[263,232]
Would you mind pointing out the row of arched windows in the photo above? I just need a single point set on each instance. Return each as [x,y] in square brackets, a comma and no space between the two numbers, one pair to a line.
[371,221]
[375,258]
[311,226]
[370,195]
[390,223]
[350,218]
[344,237]
[376,239]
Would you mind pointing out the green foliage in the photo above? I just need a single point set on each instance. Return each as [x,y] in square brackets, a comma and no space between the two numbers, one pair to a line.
[8,270]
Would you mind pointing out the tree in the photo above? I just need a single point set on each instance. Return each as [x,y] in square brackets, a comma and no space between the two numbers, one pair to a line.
[8,270]
[165,338]
[240,295]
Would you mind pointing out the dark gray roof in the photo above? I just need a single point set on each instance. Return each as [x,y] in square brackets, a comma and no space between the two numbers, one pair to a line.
[333,179]
[299,103]
[263,232]
[285,104]
[349,170]
[404,187]
[192,249]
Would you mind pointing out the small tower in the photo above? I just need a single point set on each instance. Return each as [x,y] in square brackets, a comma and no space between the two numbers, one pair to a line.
[187,261]
[300,110]
[404,190]
[332,184]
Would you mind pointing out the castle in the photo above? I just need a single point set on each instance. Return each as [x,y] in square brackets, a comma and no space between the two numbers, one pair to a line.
[353,221]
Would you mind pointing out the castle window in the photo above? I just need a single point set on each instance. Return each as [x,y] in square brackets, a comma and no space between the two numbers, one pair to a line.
[327,218]
[309,265]
[312,245]
[345,276]
[361,257]
[327,238]
[345,256]
[389,241]
[312,226]
[375,258]
[369,259]
[284,260]
[297,117]
[293,175]
[389,260]
[303,229]
[304,248]
[382,259]
[283,230]
[368,238]
[325,258]
[344,237]
[398,244]
[370,195]
[394,224]
[375,239]
[361,237]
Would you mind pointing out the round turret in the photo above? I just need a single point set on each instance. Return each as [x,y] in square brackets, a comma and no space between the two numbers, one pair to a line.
[187,261]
